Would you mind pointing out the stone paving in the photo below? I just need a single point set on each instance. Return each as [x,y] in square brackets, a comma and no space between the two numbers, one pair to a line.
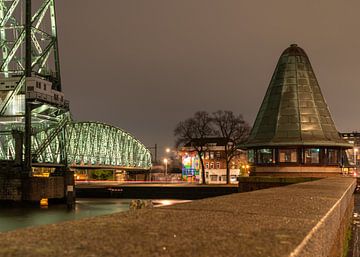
[285,221]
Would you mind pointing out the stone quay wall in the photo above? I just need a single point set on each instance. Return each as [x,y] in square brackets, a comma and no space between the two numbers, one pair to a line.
[37,188]
[307,219]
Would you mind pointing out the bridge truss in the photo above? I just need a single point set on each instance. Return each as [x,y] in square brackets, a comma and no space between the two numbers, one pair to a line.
[32,103]
[88,144]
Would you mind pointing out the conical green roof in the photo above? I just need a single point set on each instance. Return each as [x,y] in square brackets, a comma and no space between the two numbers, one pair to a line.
[294,111]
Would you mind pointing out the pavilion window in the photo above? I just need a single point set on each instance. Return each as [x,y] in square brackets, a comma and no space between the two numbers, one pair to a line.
[265,156]
[287,155]
[251,155]
[332,156]
[312,156]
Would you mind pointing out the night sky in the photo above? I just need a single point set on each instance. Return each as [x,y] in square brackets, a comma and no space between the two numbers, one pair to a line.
[145,65]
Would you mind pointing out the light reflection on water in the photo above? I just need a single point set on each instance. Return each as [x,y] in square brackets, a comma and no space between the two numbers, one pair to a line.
[12,218]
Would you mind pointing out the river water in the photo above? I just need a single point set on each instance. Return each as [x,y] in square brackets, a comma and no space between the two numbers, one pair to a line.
[12,218]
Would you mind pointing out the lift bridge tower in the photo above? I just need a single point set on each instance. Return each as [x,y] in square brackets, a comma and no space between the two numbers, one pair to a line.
[33,110]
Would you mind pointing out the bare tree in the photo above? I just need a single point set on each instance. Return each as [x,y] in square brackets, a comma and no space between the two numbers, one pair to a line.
[234,130]
[194,130]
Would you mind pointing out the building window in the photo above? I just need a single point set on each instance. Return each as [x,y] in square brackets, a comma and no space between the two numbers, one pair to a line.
[332,156]
[211,165]
[207,165]
[265,156]
[213,178]
[44,86]
[251,155]
[30,88]
[287,155]
[211,155]
[218,155]
[218,165]
[312,156]
[207,155]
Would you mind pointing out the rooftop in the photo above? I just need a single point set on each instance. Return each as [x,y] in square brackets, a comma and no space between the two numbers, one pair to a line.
[294,111]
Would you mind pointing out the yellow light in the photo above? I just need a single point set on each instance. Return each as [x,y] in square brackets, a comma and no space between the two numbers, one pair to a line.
[165,161]
[44,202]
[167,150]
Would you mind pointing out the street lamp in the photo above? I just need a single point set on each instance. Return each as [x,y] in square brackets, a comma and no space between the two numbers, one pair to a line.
[167,150]
[355,152]
[165,162]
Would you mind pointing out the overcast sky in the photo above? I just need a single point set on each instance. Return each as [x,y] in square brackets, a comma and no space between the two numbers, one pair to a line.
[145,65]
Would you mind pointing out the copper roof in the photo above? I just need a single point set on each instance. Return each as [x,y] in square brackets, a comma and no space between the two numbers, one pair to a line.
[294,111]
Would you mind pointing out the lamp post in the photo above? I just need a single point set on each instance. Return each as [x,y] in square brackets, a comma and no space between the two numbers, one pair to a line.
[355,155]
[165,162]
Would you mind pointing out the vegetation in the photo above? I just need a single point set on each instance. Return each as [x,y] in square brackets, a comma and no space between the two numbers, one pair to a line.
[202,125]
[194,130]
[234,130]
[102,175]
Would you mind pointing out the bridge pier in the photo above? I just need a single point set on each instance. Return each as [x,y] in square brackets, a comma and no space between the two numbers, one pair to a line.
[19,189]
[69,189]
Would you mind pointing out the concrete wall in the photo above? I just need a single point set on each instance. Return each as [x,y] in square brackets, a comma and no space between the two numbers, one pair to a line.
[248,184]
[10,189]
[37,188]
[301,220]
[31,189]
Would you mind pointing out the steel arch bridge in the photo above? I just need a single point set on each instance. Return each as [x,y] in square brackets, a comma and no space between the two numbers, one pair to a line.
[99,144]
[87,144]
[36,127]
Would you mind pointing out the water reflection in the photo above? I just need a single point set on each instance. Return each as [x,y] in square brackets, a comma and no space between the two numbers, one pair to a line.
[14,218]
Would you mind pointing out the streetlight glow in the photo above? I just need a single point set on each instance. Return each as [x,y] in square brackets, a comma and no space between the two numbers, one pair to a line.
[166,162]
[167,150]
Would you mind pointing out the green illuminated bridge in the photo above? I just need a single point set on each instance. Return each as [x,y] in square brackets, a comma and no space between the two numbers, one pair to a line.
[36,128]
[86,145]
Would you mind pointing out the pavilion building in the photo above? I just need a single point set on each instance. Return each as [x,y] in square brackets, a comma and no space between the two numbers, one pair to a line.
[294,134]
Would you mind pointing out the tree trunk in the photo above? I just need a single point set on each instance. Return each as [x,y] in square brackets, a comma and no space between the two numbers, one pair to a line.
[202,171]
[227,173]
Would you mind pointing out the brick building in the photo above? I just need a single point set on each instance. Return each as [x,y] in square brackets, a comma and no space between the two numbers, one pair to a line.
[214,162]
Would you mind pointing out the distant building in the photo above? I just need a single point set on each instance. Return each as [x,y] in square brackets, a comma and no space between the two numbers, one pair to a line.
[214,162]
[353,154]
[294,134]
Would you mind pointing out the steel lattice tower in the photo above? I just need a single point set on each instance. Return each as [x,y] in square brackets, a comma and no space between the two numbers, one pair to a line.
[31,100]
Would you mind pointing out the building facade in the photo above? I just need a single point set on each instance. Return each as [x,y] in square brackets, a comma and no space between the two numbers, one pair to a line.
[214,159]
[353,154]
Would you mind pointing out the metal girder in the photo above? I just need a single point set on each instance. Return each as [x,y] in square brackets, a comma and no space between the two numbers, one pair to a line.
[54,138]
[86,143]
[11,94]
[50,137]
[93,143]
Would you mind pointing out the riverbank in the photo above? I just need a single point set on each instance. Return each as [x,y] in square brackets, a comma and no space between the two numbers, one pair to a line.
[302,219]
[181,191]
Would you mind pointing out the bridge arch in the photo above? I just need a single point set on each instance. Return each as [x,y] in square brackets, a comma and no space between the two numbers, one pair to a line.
[96,143]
